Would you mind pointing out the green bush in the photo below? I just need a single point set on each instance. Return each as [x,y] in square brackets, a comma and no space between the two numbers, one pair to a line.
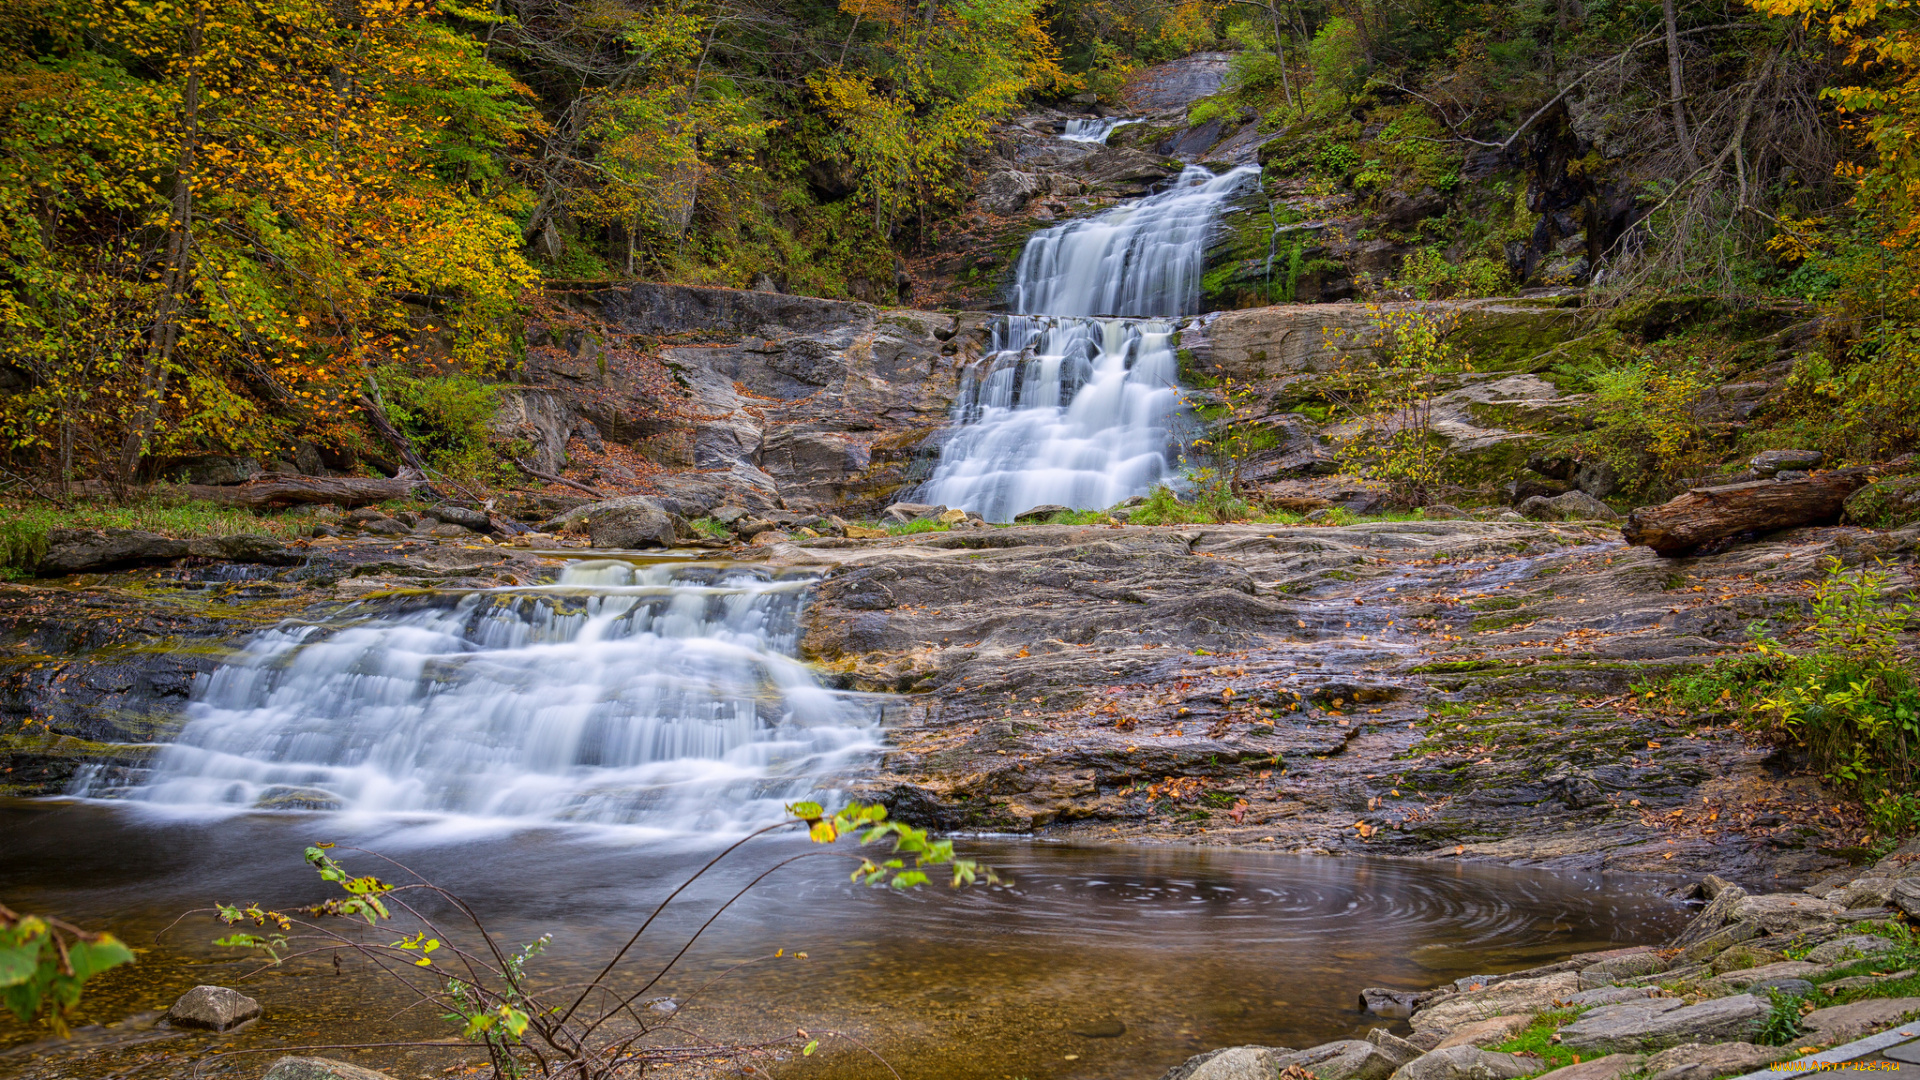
[448,417]
[1427,275]
[1851,702]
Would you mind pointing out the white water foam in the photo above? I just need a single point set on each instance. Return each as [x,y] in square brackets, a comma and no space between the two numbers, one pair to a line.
[1095,130]
[662,696]
[1078,409]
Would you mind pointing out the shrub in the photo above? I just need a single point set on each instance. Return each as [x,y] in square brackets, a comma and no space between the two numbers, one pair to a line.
[1385,393]
[1427,275]
[1851,702]
[1646,422]
[448,417]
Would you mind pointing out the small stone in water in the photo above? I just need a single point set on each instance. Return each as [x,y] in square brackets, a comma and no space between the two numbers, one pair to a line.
[212,1008]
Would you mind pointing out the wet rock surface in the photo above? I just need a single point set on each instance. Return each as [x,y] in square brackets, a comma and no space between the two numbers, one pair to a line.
[1453,689]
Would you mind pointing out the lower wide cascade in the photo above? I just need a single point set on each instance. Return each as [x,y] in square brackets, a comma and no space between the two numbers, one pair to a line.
[662,695]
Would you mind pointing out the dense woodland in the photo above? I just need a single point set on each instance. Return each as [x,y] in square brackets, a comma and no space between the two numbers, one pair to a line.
[231,226]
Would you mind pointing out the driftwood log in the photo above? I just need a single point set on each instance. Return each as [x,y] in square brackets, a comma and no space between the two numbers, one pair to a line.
[1704,515]
[287,488]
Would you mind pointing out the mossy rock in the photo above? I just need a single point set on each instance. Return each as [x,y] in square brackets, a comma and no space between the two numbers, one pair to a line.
[1515,340]
[1888,504]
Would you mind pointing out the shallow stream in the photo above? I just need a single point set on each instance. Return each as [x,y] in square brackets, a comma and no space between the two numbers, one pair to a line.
[1097,962]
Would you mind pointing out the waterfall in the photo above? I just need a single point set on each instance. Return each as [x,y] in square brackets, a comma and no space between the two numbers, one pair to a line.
[1076,402]
[654,695]
[1095,130]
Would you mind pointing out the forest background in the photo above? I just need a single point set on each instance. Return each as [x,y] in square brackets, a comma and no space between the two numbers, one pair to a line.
[230,226]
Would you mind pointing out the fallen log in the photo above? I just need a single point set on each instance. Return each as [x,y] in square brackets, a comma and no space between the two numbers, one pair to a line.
[1703,515]
[288,488]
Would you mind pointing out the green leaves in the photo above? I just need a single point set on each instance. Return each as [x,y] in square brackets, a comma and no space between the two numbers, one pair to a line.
[45,962]
[907,840]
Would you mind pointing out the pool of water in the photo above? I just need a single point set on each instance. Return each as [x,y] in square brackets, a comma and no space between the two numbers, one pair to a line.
[1111,962]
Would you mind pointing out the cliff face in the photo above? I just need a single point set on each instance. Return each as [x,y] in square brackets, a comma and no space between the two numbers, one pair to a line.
[768,399]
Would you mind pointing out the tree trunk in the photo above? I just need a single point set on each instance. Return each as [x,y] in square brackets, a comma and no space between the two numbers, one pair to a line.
[280,488]
[1677,86]
[179,272]
[1704,515]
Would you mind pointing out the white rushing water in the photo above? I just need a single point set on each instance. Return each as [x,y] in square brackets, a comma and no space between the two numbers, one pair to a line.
[1077,401]
[662,696]
[1095,130]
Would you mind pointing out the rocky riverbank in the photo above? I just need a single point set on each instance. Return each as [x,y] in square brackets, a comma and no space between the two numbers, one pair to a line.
[1753,980]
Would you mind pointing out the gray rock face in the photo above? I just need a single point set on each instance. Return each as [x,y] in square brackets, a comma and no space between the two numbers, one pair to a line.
[1178,83]
[384,526]
[212,1008]
[1232,1063]
[211,469]
[319,1068]
[901,513]
[1348,1059]
[1703,1061]
[1464,1063]
[1596,478]
[1663,1022]
[539,418]
[1844,1023]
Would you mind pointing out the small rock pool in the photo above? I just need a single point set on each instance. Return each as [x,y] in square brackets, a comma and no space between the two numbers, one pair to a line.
[1097,962]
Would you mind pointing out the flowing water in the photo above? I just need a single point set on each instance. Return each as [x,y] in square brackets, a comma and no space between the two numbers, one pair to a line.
[662,695]
[1078,400]
[1095,130]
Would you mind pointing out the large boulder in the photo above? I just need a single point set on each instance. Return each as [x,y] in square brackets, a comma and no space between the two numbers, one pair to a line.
[1785,913]
[1464,1063]
[214,469]
[1662,1022]
[636,525]
[1844,1023]
[1756,976]
[1501,999]
[1231,1063]
[319,1068]
[212,1008]
[1571,506]
[1888,504]
[1712,918]
[1347,1059]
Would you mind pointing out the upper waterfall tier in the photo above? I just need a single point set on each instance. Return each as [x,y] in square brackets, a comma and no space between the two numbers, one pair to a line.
[661,695]
[1143,259]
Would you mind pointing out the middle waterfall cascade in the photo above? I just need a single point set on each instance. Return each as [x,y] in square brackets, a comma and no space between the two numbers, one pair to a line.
[1095,130]
[1076,403]
[653,695]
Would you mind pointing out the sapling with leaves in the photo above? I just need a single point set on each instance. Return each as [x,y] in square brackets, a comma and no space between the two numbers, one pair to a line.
[1386,391]
[44,962]
[594,1031]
